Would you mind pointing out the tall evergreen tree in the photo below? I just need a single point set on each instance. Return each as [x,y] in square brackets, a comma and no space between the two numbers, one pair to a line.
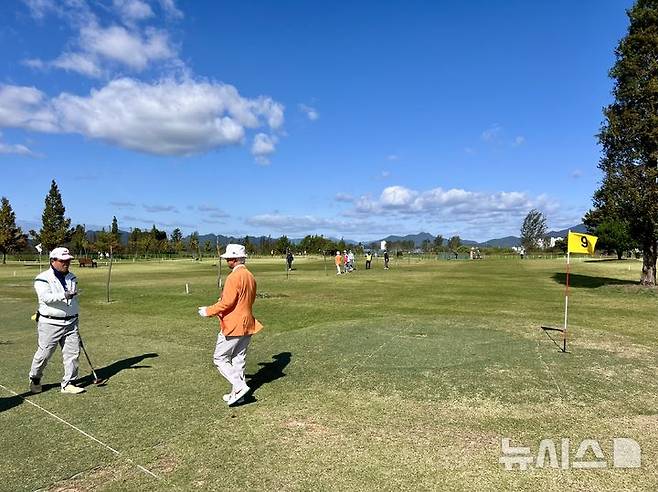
[79,241]
[629,136]
[55,230]
[438,242]
[533,229]
[454,243]
[11,236]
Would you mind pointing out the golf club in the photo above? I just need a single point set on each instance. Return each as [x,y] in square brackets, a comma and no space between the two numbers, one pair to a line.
[97,381]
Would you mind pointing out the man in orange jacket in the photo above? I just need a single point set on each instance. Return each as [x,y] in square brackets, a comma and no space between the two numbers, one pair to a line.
[236,321]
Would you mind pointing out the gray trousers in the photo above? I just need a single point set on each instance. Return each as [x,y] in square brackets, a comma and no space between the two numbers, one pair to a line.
[49,336]
[230,358]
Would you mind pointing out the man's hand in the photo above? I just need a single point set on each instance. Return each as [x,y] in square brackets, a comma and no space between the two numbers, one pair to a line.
[203,312]
[70,295]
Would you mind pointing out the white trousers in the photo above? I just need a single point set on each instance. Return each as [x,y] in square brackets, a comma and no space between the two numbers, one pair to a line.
[49,337]
[230,358]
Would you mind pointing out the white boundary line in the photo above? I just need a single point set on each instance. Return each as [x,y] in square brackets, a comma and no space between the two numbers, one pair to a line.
[82,432]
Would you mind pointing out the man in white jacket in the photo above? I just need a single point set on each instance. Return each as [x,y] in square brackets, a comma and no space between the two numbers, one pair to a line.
[57,321]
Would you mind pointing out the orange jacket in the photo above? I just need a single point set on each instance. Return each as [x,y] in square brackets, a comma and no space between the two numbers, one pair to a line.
[339,260]
[234,307]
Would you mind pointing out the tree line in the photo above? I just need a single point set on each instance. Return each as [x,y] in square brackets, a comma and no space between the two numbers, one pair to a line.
[56,231]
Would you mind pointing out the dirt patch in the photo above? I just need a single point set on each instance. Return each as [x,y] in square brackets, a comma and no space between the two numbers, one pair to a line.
[165,464]
[87,480]
[310,427]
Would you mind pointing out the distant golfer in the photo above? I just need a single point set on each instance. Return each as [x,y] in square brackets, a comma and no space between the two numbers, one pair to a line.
[236,321]
[339,262]
[57,321]
[289,259]
[386,259]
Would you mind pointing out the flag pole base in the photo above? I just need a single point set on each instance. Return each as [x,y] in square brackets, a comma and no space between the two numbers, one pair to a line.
[546,329]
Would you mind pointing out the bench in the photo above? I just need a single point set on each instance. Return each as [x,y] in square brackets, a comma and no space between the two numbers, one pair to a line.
[87,262]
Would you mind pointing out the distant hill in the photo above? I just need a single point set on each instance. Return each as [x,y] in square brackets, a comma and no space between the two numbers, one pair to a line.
[503,242]
[578,228]
[416,238]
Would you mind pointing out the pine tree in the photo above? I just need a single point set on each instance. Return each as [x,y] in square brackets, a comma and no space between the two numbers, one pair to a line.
[533,230]
[55,230]
[629,136]
[11,236]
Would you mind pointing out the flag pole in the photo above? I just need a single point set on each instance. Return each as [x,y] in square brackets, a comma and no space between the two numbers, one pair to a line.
[566,301]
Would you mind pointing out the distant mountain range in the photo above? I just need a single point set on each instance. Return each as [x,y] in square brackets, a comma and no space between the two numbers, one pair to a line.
[503,242]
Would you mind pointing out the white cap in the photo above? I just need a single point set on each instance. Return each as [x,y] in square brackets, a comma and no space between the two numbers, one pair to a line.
[61,254]
[234,251]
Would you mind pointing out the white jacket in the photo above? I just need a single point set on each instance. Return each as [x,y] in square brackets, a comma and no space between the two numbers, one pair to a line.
[52,301]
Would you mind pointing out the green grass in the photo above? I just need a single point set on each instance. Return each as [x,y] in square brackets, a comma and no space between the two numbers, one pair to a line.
[405,379]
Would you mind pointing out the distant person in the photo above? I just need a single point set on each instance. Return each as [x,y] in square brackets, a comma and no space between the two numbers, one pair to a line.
[386,259]
[368,260]
[236,320]
[289,259]
[339,262]
[57,321]
[350,259]
[346,262]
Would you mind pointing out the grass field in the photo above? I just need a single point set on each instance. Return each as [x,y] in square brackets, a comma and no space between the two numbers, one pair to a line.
[406,379]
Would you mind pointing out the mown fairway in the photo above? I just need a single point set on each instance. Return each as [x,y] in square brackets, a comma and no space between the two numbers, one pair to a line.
[405,379]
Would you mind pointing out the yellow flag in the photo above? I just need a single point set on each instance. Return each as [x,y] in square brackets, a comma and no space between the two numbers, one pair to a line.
[581,243]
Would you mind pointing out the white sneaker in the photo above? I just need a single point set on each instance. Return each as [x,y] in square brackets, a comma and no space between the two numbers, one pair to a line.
[72,389]
[237,396]
[35,386]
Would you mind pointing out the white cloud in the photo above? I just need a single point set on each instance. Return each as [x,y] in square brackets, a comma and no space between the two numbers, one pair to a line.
[82,63]
[344,197]
[158,224]
[133,10]
[311,113]
[40,8]
[176,115]
[159,208]
[119,45]
[97,49]
[492,134]
[397,196]
[25,107]
[165,118]
[392,157]
[18,149]
[518,141]
[35,63]
[123,204]
[170,9]
[309,224]
[470,210]
[263,146]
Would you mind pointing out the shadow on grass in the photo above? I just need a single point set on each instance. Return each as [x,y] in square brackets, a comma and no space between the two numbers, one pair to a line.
[106,372]
[9,402]
[576,280]
[269,371]
[116,367]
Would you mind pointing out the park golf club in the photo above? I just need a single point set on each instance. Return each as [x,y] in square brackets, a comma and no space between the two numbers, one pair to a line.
[97,381]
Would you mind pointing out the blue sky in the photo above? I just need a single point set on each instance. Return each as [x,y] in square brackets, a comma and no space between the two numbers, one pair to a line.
[354,119]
